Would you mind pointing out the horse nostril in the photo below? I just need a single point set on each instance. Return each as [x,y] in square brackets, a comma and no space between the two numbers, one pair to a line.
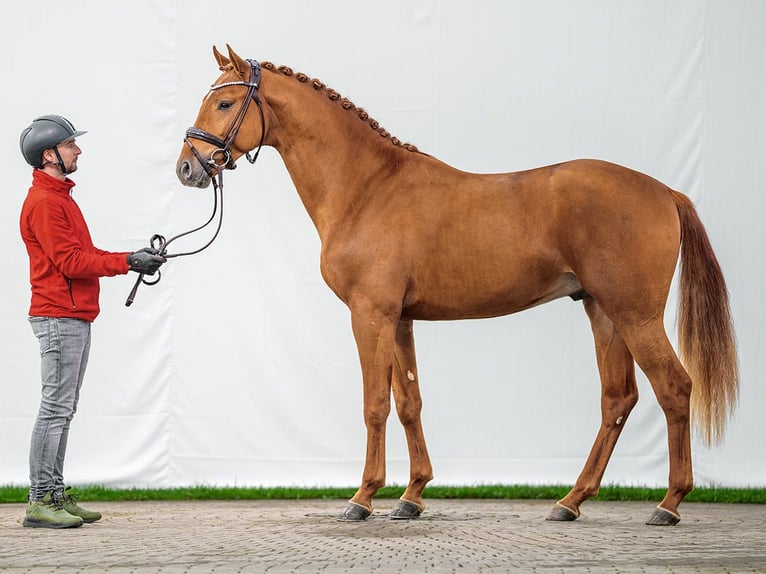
[185,170]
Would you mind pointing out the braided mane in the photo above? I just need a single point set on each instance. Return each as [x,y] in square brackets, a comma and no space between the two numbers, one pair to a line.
[344,102]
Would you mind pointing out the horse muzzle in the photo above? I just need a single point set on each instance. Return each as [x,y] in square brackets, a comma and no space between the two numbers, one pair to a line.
[191,173]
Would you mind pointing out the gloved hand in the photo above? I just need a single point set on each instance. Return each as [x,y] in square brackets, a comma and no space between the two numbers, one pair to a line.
[146,260]
[151,250]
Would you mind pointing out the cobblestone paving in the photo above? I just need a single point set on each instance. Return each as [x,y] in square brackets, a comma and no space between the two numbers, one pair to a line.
[460,536]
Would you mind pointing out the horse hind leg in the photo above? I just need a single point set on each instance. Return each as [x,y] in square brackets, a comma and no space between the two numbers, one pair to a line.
[672,387]
[619,394]
[409,406]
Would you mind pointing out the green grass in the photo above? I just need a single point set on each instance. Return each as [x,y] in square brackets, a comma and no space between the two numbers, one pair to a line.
[498,491]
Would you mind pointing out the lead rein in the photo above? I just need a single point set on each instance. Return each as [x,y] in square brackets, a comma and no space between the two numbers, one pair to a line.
[159,243]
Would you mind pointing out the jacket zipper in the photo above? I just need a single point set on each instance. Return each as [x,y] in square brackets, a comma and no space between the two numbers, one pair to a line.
[71,294]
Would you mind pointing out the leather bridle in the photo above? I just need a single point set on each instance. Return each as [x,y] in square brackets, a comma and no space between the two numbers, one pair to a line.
[213,168]
[223,144]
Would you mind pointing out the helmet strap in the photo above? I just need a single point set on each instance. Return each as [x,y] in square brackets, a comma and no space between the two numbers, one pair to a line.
[60,161]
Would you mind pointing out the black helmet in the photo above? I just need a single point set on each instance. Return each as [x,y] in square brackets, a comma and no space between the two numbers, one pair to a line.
[43,133]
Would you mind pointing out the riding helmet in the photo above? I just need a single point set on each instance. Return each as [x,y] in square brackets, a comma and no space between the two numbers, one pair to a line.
[43,133]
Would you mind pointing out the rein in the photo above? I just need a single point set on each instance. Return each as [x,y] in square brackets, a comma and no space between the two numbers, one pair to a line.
[213,168]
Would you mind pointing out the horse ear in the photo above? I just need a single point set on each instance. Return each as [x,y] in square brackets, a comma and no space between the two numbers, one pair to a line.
[222,60]
[238,63]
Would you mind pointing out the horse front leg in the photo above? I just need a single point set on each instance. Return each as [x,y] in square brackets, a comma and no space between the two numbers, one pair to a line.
[374,333]
[409,406]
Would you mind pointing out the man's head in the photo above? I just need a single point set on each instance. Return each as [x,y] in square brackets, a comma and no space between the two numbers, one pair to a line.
[40,143]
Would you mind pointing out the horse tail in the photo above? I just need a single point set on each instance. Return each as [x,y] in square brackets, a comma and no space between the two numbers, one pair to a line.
[706,339]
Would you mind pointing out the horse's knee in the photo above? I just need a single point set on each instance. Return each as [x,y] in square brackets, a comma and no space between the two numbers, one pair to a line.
[409,411]
[375,416]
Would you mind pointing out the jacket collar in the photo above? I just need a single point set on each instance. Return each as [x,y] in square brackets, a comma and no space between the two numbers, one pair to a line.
[50,183]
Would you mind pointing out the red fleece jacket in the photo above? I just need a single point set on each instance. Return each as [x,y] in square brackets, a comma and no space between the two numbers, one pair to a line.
[64,265]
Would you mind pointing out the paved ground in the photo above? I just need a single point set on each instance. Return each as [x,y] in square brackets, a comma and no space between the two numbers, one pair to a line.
[463,536]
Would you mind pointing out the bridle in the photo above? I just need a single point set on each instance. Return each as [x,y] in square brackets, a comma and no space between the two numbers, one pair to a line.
[213,168]
[223,145]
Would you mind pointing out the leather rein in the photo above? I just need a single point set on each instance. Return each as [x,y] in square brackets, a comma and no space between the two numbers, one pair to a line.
[213,168]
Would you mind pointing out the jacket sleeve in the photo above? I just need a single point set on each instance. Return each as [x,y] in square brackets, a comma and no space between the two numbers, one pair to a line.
[59,241]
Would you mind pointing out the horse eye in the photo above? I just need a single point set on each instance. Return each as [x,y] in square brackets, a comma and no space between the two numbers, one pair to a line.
[224,105]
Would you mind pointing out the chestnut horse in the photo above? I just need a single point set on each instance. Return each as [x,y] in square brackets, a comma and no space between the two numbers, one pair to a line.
[406,237]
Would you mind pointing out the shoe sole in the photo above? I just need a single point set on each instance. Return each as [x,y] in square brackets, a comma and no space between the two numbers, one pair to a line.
[90,520]
[35,524]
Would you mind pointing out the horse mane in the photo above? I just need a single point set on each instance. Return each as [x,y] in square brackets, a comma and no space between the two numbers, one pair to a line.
[345,103]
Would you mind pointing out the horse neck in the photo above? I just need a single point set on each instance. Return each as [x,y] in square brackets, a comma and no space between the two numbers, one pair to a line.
[332,156]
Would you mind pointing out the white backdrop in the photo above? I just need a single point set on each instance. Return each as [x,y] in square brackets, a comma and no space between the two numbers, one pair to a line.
[239,368]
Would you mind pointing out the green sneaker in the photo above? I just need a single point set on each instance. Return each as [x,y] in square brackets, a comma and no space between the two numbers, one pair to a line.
[48,513]
[69,503]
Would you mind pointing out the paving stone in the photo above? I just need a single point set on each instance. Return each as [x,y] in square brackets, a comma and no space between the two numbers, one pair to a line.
[452,536]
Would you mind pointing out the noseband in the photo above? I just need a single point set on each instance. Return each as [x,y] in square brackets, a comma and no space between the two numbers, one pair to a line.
[213,168]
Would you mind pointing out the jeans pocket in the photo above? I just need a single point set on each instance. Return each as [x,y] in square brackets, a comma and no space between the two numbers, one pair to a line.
[41,327]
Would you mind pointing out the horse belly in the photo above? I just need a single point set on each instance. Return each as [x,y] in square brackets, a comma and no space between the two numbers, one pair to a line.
[482,295]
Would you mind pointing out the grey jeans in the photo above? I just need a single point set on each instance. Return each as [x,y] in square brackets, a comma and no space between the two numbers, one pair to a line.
[64,349]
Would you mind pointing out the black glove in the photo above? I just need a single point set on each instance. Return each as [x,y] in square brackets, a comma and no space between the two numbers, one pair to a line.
[146,260]
[149,250]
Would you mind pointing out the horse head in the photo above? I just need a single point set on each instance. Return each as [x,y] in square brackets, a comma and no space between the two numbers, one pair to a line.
[222,132]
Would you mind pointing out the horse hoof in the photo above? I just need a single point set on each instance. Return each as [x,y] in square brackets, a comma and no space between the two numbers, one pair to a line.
[355,512]
[662,517]
[405,510]
[561,513]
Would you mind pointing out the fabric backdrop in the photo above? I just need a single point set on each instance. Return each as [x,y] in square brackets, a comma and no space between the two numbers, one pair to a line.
[239,368]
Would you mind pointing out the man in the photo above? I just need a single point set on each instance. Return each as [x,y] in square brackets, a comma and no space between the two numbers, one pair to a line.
[64,271]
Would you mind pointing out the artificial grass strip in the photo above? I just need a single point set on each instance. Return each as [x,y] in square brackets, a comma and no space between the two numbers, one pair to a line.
[18,494]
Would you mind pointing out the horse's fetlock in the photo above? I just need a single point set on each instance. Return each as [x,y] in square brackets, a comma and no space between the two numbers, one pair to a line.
[585,492]
[373,485]
[684,488]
